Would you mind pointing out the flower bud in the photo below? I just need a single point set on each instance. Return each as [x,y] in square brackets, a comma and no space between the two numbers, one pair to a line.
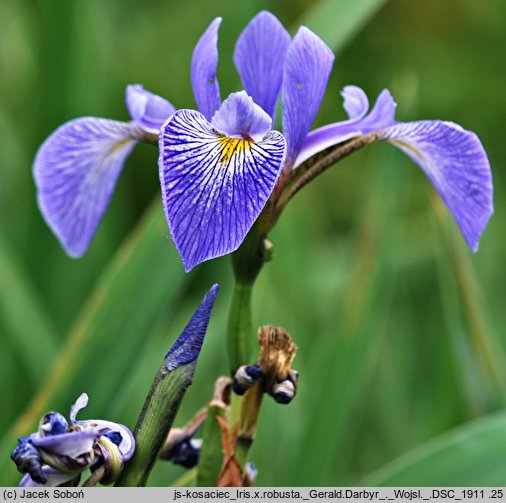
[284,392]
[245,377]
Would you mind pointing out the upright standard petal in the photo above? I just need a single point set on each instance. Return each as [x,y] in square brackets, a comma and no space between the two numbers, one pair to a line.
[259,56]
[75,171]
[355,102]
[306,71]
[203,71]
[455,162]
[356,105]
[147,110]
[213,187]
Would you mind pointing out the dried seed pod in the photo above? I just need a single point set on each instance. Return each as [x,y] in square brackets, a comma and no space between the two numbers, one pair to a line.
[245,377]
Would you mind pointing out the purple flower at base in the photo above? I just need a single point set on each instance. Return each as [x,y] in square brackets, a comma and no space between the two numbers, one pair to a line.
[218,166]
[58,453]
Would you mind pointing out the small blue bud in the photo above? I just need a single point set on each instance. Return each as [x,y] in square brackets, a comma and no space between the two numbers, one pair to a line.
[187,453]
[245,377]
[284,392]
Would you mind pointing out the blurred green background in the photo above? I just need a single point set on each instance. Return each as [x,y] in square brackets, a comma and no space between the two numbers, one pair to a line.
[400,328]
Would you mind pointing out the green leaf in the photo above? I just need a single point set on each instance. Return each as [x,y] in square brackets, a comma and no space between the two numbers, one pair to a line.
[28,326]
[109,335]
[211,454]
[471,455]
[337,22]
[484,346]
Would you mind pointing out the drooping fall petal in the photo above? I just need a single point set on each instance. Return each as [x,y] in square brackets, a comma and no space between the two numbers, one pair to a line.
[213,186]
[75,172]
[456,163]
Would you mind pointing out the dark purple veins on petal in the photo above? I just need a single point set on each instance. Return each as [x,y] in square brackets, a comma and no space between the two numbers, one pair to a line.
[213,187]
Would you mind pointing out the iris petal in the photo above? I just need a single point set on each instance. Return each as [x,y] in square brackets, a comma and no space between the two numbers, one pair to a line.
[259,55]
[455,162]
[213,187]
[307,68]
[381,116]
[75,171]
[126,446]
[149,111]
[81,403]
[73,444]
[239,117]
[356,104]
[203,71]
[54,478]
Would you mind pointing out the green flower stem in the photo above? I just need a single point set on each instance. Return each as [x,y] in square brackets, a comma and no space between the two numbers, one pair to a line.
[316,165]
[155,421]
[251,255]
[247,262]
[240,340]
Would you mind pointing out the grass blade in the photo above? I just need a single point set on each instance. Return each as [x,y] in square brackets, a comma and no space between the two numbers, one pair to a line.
[25,317]
[471,455]
[141,279]
[338,22]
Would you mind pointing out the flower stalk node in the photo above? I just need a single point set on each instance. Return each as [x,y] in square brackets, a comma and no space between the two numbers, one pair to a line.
[277,378]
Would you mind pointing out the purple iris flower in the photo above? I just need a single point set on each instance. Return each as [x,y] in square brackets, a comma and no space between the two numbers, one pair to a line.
[219,166]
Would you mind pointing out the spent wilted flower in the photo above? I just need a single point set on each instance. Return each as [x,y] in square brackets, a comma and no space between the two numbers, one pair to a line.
[219,166]
[58,452]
